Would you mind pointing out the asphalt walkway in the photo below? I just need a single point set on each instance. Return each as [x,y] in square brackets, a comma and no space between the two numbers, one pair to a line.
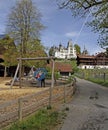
[88,110]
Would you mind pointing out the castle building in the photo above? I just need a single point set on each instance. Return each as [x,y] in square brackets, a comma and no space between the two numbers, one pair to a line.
[66,53]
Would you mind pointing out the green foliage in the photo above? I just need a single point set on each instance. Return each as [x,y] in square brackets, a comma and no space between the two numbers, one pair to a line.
[51,51]
[101,82]
[107,52]
[98,10]
[10,52]
[74,65]
[100,23]
[42,120]
[94,75]
[49,75]
[35,49]
[78,49]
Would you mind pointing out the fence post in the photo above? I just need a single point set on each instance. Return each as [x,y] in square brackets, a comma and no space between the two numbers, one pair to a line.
[20,109]
[64,93]
[74,85]
[104,77]
[83,75]
[52,84]
[20,72]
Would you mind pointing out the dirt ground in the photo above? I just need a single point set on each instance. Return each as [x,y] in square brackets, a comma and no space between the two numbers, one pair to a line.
[6,93]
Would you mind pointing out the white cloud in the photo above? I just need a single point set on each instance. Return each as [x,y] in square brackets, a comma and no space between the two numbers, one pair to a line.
[71,34]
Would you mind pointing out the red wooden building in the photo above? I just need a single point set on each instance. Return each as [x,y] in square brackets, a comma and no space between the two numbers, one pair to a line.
[64,69]
[99,60]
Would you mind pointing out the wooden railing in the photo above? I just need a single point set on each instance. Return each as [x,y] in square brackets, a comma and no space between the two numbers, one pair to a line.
[18,109]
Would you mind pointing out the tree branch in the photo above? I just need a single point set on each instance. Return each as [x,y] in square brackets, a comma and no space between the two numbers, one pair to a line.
[94,3]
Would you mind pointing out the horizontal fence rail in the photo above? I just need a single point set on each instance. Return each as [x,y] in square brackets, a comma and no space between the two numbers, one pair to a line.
[18,109]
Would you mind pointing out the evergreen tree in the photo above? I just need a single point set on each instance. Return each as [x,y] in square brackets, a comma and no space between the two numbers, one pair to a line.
[52,51]
[78,49]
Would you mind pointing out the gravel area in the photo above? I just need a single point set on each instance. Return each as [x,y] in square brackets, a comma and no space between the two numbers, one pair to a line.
[7,94]
[88,110]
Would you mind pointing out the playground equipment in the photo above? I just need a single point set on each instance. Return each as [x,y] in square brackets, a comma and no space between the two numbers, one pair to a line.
[40,73]
[19,66]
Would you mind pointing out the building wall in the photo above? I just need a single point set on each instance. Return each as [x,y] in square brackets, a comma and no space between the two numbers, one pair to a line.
[68,52]
[99,61]
[93,66]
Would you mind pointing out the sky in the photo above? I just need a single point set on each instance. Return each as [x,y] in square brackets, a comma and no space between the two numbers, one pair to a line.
[60,25]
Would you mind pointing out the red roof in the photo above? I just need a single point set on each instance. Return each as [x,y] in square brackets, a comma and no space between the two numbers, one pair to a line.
[102,54]
[86,56]
[62,67]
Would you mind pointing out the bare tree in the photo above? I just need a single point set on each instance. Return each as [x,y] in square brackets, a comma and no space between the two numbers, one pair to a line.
[24,24]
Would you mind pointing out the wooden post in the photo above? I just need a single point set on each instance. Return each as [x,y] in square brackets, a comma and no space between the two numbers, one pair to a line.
[15,76]
[64,93]
[83,75]
[104,76]
[20,109]
[20,71]
[52,83]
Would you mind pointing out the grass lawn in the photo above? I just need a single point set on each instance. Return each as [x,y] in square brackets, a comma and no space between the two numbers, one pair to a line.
[94,75]
[45,119]
[101,82]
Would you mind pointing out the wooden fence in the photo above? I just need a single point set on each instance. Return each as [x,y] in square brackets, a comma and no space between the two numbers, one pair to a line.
[99,75]
[18,109]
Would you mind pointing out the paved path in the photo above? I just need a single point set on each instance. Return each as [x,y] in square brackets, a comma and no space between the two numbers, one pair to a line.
[89,108]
